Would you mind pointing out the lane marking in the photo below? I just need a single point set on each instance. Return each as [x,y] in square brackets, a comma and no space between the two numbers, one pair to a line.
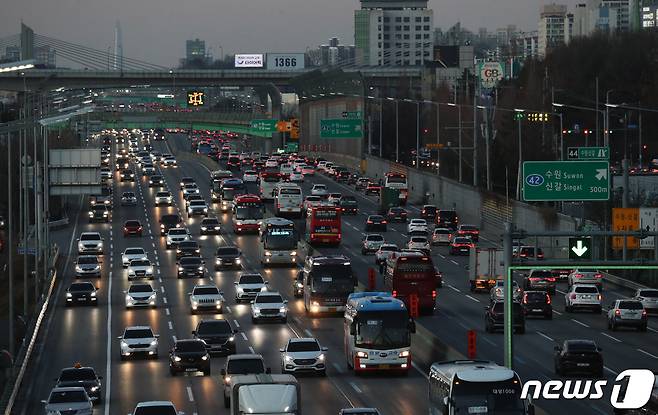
[579,322]
[561,292]
[162,289]
[647,353]
[611,337]
[653,330]
[557,312]
[356,388]
[108,366]
[164,299]
[610,370]
[454,262]
[244,336]
[545,336]
[171,326]
[308,332]
[472,298]
[189,394]
[489,341]
[228,308]
[454,288]
[236,323]
[251,349]
[167,312]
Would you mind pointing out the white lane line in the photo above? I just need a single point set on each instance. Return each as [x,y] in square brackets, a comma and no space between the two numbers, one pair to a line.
[308,332]
[108,364]
[561,292]
[164,299]
[236,323]
[579,322]
[171,326]
[610,370]
[557,312]
[160,279]
[653,330]
[545,336]
[611,337]
[472,298]
[356,388]
[162,289]
[647,353]
[228,308]
[189,394]
[339,368]
[454,288]
[251,350]
[442,256]
[454,262]
[244,336]
[167,312]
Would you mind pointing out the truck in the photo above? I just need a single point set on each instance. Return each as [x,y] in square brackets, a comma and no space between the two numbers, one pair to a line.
[265,394]
[485,267]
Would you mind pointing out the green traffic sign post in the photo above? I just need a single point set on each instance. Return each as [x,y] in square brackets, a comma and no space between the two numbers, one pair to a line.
[588,153]
[580,248]
[341,128]
[353,114]
[264,126]
[566,181]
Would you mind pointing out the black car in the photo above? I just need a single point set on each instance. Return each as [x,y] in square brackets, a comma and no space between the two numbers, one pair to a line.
[375,223]
[186,180]
[343,176]
[298,285]
[99,213]
[127,175]
[348,205]
[578,357]
[494,317]
[81,376]
[447,219]
[83,292]
[397,214]
[228,257]
[537,303]
[353,178]
[169,221]
[187,249]
[189,356]
[210,226]
[191,266]
[429,213]
[218,335]
[156,181]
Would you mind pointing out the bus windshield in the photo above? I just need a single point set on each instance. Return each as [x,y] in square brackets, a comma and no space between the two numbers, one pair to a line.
[280,239]
[332,279]
[248,212]
[383,330]
[491,397]
[396,179]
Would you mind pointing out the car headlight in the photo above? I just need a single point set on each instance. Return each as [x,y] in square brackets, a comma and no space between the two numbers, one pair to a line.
[78,269]
[362,355]
[268,253]
[315,303]
[129,299]
[205,357]
[231,339]
[404,353]
[227,380]
[149,270]
[124,344]
[321,357]
[288,359]
[94,388]
[154,343]
[162,226]
[200,268]
[216,228]
[195,302]
[282,309]
[177,359]
[218,302]
[239,289]
[69,295]
[293,253]
[203,228]
[152,296]
[218,261]
[181,269]
[299,285]
[91,214]
[93,294]
[237,261]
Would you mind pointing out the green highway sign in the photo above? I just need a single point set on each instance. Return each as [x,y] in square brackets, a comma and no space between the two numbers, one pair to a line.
[353,114]
[566,181]
[264,126]
[292,147]
[580,248]
[588,153]
[341,128]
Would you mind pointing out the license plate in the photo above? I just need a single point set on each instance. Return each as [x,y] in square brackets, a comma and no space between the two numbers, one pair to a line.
[384,366]
[81,299]
[536,309]
[325,240]
[582,364]
[332,309]
[191,369]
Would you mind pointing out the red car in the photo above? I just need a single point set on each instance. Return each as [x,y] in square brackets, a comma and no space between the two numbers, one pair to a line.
[373,188]
[461,246]
[132,227]
[469,230]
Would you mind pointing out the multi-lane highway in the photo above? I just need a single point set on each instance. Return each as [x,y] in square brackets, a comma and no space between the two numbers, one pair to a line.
[89,335]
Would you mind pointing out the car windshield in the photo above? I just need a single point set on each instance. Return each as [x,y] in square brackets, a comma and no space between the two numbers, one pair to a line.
[138,334]
[228,252]
[210,222]
[251,279]
[87,260]
[462,241]
[68,375]
[541,274]
[140,288]
[376,218]
[418,239]
[177,232]
[67,396]
[170,219]
[205,291]
[319,187]
[128,194]
[81,286]
[188,245]
[156,410]
[248,212]
[469,228]
[99,208]
[140,263]
[245,366]
[383,330]
[134,251]
[303,346]
[163,194]
[536,297]
[132,223]
[649,293]
[190,346]
[631,305]
[375,238]
[214,327]
[581,346]
[397,211]
[269,299]
[389,248]
[190,261]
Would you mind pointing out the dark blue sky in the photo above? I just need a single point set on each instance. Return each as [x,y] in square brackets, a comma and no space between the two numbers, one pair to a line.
[155,30]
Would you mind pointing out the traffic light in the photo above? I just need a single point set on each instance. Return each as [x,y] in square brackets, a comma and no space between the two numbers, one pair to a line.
[518,115]
[294,128]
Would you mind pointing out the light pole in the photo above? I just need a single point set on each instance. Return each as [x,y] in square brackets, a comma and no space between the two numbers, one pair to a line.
[397,130]
[438,142]
[459,139]
[602,113]
[10,242]
[173,89]
[518,112]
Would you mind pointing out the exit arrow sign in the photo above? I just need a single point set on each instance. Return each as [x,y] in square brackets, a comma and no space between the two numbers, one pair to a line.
[580,248]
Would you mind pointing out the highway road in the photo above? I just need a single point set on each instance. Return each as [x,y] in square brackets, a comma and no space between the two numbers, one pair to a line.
[89,335]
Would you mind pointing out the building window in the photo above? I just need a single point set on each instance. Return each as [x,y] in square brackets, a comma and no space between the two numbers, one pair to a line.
[418,36]
[387,36]
[387,19]
[379,18]
[398,28]
[426,27]
[406,53]
[406,37]
[398,36]
[398,62]
[426,19]
[418,19]
[398,53]
[417,53]
[418,27]
[418,62]
[426,53]
[398,19]
[379,53]
[406,28]
[426,36]
[398,45]
[379,44]
[387,45]
[406,19]
[379,27]
[406,62]
[379,36]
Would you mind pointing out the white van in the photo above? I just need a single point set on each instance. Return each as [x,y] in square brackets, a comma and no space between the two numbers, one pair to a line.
[288,199]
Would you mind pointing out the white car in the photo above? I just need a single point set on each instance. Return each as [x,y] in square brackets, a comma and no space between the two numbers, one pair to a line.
[649,299]
[248,286]
[269,306]
[141,294]
[250,176]
[148,169]
[90,243]
[372,243]
[582,296]
[106,173]
[87,266]
[168,161]
[441,236]
[417,225]
[420,243]
[68,400]
[384,252]
[155,407]
[319,190]
[164,198]
[303,355]
[138,340]
[197,207]
[190,189]
[140,268]
[270,163]
[312,201]
[498,291]
[206,297]
[176,235]
[296,177]
[334,198]
[322,165]
[130,254]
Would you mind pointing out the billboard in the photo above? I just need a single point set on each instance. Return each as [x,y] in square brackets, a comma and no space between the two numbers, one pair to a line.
[285,61]
[253,60]
[490,73]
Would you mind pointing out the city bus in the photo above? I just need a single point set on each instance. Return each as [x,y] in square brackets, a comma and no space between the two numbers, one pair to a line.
[229,190]
[475,387]
[323,225]
[288,199]
[412,273]
[398,181]
[247,213]
[267,183]
[327,282]
[278,242]
[376,322]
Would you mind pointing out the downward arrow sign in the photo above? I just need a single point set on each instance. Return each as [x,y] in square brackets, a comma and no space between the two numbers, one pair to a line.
[579,249]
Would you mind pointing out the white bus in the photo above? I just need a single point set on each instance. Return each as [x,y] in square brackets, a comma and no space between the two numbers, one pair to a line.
[288,199]
[377,330]
[278,242]
[475,387]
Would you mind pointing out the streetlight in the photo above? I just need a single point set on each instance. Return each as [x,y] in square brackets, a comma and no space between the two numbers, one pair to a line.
[518,112]
[459,108]
[397,130]
[438,148]
[578,107]
[17,66]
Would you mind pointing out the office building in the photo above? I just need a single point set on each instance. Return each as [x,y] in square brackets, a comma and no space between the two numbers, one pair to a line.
[527,45]
[44,57]
[12,54]
[393,32]
[555,27]
[649,16]
[335,54]
[195,50]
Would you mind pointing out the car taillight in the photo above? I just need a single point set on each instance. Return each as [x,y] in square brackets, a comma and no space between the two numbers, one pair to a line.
[598,276]
[384,222]
[395,293]
[578,275]
[599,297]
[433,294]
[525,299]
[550,279]
[534,279]
[548,299]
[139,229]
[369,221]
[644,313]
[618,312]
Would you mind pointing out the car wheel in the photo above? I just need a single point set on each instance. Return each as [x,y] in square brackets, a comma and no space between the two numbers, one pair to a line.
[227,402]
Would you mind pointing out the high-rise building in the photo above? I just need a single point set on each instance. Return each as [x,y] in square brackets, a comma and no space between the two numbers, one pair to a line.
[335,54]
[195,50]
[555,27]
[606,16]
[393,32]
[118,47]
[649,15]
[527,44]
[44,56]
[12,53]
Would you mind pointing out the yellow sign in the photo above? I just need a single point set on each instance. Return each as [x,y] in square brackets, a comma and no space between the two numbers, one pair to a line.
[294,128]
[196,98]
[625,219]
[434,145]
[283,126]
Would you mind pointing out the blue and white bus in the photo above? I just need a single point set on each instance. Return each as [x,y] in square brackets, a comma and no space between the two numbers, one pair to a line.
[377,332]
